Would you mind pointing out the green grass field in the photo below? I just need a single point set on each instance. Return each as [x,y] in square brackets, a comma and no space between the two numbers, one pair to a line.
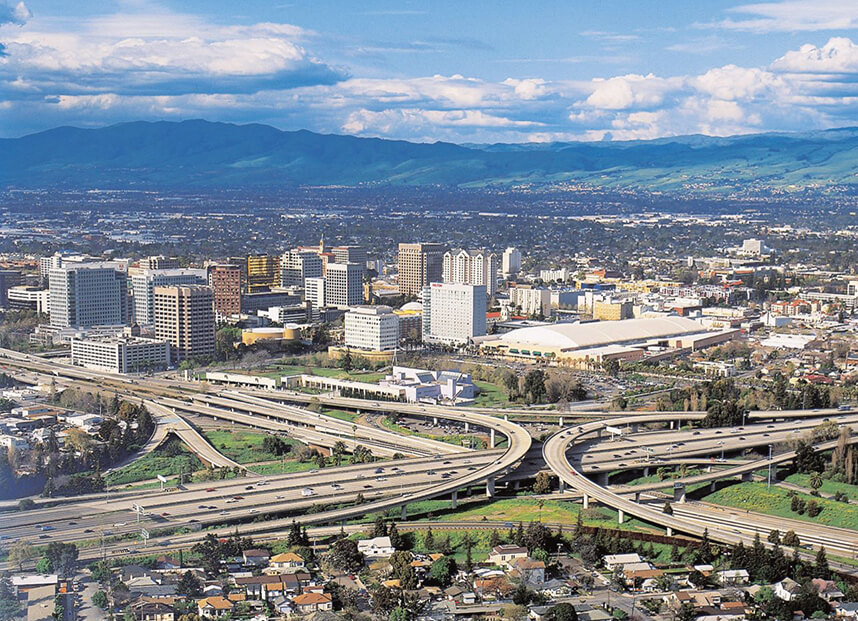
[828,487]
[341,414]
[775,501]
[243,446]
[491,395]
[159,461]
[285,467]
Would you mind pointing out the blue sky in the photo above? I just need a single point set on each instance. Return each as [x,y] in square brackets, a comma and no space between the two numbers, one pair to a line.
[472,71]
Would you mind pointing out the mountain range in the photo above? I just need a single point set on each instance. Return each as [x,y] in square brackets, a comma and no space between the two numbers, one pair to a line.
[200,155]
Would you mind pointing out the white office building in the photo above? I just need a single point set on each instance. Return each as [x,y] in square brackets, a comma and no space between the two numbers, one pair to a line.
[471,267]
[531,300]
[371,328]
[144,282]
[88,294]
[511,262]
[344,284]
[120,354]
[453,313]
[297,265]
[314,292]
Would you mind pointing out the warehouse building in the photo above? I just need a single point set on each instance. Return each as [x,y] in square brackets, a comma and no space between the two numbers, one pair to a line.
[590,343]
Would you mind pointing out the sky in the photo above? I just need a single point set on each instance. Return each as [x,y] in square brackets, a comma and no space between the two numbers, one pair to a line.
[466,71]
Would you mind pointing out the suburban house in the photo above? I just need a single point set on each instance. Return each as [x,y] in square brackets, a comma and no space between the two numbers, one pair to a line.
[787,589]
[286,562]
[732,577]
[377,547]
[611,561]
[256,558]
[214,607]
[148,609]
[504,554]
[530,571]
[828,590]
[307,603]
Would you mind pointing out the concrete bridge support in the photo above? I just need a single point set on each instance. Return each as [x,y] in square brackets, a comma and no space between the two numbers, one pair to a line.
[669,531]
[678,492]
[560,421]
[646,471]
[435,421]
[562,486]
[586,501]
[455,500]
[467,427]
[620,516]
[602,479]
[491,438]
[637,497]
[404,515]
[490,487]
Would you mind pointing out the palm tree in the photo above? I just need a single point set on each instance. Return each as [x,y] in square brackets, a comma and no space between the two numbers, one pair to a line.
[815,480]
[338,450]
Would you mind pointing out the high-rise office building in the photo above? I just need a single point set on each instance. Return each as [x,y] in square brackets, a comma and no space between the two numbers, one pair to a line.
[160,262]
[314,292]
[511,262]
[263,272]
[419,265]
[471,267]
[143,284]
[453,313]
[184,316]
[349,254]
[371,328]
[225,281]
[46,264]
[344,284]
[8,279]
[299,264]
[88,294]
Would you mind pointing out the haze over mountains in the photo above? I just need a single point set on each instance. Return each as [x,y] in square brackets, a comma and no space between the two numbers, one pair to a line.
[200,154]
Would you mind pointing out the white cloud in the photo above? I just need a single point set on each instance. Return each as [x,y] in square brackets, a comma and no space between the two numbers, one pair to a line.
[732,82]
[160,54]
[838,55]
[14,13]
[630,91]
[794,16]
[387,122]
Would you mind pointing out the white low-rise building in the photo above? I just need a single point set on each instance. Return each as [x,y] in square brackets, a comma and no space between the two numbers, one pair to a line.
[377,547]
[16,442]
[120,354]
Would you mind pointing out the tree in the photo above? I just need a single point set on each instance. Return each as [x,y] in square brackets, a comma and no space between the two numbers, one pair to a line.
[667,508]
[820,565]
[429,539]
[380,528]
[396,541]
[514,612]
[562,612]
[346,363]
[338,450]
[189,585]
[774,536]
[10,607]
[686,612]
[522,595]
[210,552]
[791,539]
[534,386]
[443,570]
[99,599]
[63,557]
[400,561]
[384,600]
[43,566]
[611,367]
[344,556]
[20,552]
[542,483]
[815,480]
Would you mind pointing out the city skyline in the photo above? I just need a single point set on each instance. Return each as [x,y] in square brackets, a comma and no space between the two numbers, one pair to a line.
[425,72]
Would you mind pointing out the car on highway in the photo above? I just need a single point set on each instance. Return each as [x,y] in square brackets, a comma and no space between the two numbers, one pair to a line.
[211,489]
[381,478]
[307,491]
[249,487]
[431,473]
[47,527]
[87,530]
[120,524]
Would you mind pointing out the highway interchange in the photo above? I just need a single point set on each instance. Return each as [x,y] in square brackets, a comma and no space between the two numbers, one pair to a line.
[434,469]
